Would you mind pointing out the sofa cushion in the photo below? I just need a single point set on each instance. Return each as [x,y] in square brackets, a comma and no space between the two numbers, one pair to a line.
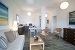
[10,36]
[17,44]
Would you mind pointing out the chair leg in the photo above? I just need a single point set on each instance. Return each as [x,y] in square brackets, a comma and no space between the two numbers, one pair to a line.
[45,38]
[48,37]
[59,36]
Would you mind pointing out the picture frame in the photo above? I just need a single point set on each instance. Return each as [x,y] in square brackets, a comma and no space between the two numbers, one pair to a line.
[47,21]
[72,18]
[3,14]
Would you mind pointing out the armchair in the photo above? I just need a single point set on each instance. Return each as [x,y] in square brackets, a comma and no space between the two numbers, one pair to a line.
[45,34]
[57,31]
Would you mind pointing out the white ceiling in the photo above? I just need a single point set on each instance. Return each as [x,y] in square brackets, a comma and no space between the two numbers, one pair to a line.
[34,5]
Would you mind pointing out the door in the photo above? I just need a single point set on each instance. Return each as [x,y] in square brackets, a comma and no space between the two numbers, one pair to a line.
[54,22]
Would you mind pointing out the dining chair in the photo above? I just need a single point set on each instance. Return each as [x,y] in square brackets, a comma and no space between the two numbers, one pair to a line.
[32,31]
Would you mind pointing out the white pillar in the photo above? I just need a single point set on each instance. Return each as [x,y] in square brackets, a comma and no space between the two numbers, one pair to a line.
[43,12]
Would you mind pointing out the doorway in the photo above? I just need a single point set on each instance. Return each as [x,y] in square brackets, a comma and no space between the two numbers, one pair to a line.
[54,22]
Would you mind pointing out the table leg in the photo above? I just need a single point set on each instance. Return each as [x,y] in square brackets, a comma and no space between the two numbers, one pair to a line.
[30,47]
[28,32]
[43,46]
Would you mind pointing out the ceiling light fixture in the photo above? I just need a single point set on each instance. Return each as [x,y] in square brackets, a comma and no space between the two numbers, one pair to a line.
[29,13]
[46,15]
[64,5]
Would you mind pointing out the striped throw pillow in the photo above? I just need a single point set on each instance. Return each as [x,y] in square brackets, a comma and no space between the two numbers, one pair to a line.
[2,49]
[4,40]
[3,44]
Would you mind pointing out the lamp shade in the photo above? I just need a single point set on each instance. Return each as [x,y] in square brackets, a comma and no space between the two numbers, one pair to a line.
[15,28]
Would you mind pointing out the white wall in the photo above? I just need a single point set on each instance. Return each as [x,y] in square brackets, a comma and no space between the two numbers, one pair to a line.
[25,19]
[63,16]
[13,10]
[51,13]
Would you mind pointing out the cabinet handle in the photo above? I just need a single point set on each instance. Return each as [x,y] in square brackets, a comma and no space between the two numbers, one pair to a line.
[74,32]
[66,36]
[66,33]
[65,39]
[74,39]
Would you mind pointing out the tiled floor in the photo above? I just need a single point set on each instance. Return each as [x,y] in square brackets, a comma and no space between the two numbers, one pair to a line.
[58,44]
[53,44]
[26,46]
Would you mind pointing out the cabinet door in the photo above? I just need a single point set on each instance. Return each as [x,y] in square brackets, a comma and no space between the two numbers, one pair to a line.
[73,33]
[66,33]
[69,35]
[74,42]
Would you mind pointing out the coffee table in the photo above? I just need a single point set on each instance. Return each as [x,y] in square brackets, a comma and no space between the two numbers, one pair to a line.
[36,45]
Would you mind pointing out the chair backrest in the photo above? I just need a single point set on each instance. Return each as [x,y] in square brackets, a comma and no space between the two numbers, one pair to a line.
[58,29]
[32,30]
[46,30]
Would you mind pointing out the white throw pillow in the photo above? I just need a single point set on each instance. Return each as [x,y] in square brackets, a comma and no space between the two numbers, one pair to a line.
[10,36]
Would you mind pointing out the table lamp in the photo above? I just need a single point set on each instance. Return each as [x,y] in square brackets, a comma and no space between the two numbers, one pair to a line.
[15,28]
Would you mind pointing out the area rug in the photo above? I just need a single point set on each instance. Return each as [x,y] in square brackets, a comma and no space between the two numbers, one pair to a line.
[54,43]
